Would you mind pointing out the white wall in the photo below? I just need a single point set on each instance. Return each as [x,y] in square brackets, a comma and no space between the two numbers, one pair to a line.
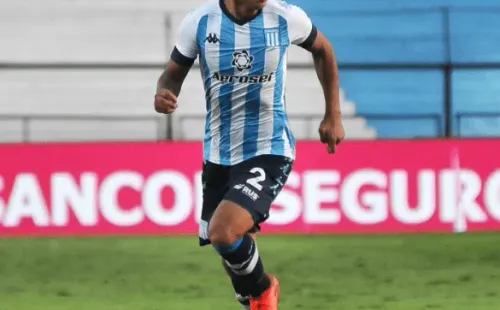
[116,31]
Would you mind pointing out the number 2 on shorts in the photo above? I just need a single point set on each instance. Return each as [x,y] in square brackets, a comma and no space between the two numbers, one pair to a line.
[255,181]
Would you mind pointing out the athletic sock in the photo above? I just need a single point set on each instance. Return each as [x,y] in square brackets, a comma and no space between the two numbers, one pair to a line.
[243,300]
[247,270]
[241,291]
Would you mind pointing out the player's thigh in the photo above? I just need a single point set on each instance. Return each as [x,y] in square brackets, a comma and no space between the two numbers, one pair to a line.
[254,184]
[229,222]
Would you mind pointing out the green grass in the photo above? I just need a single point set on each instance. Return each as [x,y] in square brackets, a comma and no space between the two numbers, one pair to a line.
[451,272]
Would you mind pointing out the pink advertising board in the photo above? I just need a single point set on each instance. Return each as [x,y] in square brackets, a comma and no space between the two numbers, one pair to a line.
[154,188]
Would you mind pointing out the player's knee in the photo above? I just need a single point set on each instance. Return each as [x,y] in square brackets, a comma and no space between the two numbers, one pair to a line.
[221,234]
[229,223]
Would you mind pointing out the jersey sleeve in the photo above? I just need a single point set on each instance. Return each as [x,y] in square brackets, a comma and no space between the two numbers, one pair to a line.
[301,30]
[186,48]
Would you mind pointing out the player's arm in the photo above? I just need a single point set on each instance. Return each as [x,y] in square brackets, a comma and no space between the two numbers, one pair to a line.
[181,60]
[327,72]
[169,87]
[330,130]
[303,33]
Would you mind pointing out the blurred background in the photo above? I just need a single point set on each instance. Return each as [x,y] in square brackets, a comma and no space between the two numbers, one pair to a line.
[86,71]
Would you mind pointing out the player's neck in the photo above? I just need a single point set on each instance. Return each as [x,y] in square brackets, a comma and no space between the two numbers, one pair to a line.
[240,11]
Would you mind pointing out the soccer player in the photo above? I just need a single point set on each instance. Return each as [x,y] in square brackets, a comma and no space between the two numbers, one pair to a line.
[248,146]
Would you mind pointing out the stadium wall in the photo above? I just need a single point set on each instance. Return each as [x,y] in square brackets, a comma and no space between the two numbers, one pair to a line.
[129,188]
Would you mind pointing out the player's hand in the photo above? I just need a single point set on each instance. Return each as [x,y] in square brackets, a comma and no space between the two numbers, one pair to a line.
[331,132]
[165,101]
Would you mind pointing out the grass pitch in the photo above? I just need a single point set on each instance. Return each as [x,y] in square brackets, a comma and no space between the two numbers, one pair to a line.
[406,272]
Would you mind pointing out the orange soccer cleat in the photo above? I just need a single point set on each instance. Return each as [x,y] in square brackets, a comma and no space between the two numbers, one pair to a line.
[269,299]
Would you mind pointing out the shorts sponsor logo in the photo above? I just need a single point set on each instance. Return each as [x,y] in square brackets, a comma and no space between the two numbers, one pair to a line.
[247,191]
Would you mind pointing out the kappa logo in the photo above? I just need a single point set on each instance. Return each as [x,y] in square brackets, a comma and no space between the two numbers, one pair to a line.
[212,38]
[242,60]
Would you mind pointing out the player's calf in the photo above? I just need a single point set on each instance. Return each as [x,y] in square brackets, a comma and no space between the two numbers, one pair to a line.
[242,294]
[228,234]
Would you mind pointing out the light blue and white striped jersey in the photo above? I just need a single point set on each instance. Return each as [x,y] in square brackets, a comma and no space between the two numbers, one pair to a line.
[243,66]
